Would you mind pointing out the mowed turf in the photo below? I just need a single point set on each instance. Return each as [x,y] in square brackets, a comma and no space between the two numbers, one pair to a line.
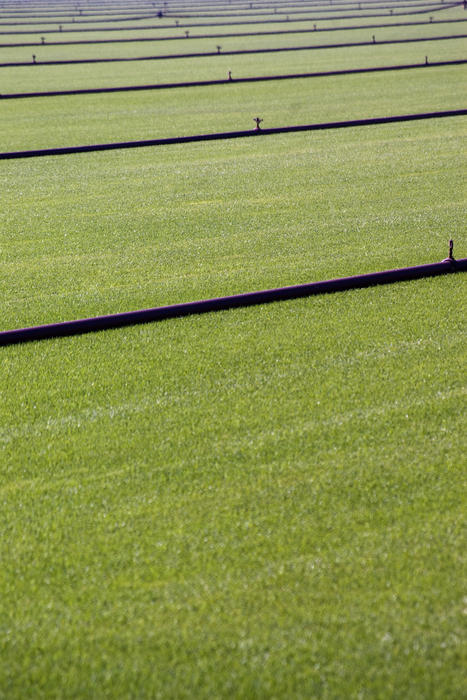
[192,44]
[39,77]
[100,233]
[107,118]
[254,503]
[258,503]
[266,502]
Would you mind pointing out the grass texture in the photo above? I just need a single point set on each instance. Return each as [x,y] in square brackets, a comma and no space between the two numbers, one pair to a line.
[128,229]
[260,503]
[254,503]
[37,77]
[237,43]
[150,114]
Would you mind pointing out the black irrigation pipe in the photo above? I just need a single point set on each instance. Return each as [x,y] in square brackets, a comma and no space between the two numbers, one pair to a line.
[97,21]
[104,18]
[208,54]
[313,14]
[63,15]
[266,296]
[173,37]
[68,16]
[229,81]
[54,9]
[225,12]
[310,9]
[274,20]
[146,7]
[222,136]
[264,20]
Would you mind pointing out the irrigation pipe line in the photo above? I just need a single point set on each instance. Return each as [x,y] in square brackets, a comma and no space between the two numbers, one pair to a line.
[235,52]
[263,18]
[276,20]
[273,19]
[235,35]
[310,10]
[316,15]
[222,136]
[401,9]
[256,15]
[160,313]
[33,11]
[94,20]
[229,81]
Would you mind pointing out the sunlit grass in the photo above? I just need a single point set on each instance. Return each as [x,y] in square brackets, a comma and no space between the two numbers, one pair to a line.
[151,114]
[266,502]
[205,45]
[122,230]
[101,75]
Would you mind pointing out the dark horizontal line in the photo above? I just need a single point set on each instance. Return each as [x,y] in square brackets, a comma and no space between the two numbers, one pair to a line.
[239,52]
[160,313]
[433,7]
[152,15]
[276,32]
[218,10]
[63,14]
[312,15]
[233,81]
[66,150]
[275,19]
[314,12]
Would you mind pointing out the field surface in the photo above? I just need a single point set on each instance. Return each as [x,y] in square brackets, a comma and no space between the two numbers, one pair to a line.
[260,503]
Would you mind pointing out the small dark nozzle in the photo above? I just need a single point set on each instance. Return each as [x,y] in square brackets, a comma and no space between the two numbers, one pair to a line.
[258,122]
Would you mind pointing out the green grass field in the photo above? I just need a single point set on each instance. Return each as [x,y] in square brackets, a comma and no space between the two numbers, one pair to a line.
[150,114]
[194,45]
[260,503]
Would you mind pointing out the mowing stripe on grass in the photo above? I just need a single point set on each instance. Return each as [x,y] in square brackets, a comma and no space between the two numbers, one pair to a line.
[229,81]
[160,313]
[222,136]
[238,52]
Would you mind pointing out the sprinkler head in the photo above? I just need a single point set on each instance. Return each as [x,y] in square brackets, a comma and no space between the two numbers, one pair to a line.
[450,257]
